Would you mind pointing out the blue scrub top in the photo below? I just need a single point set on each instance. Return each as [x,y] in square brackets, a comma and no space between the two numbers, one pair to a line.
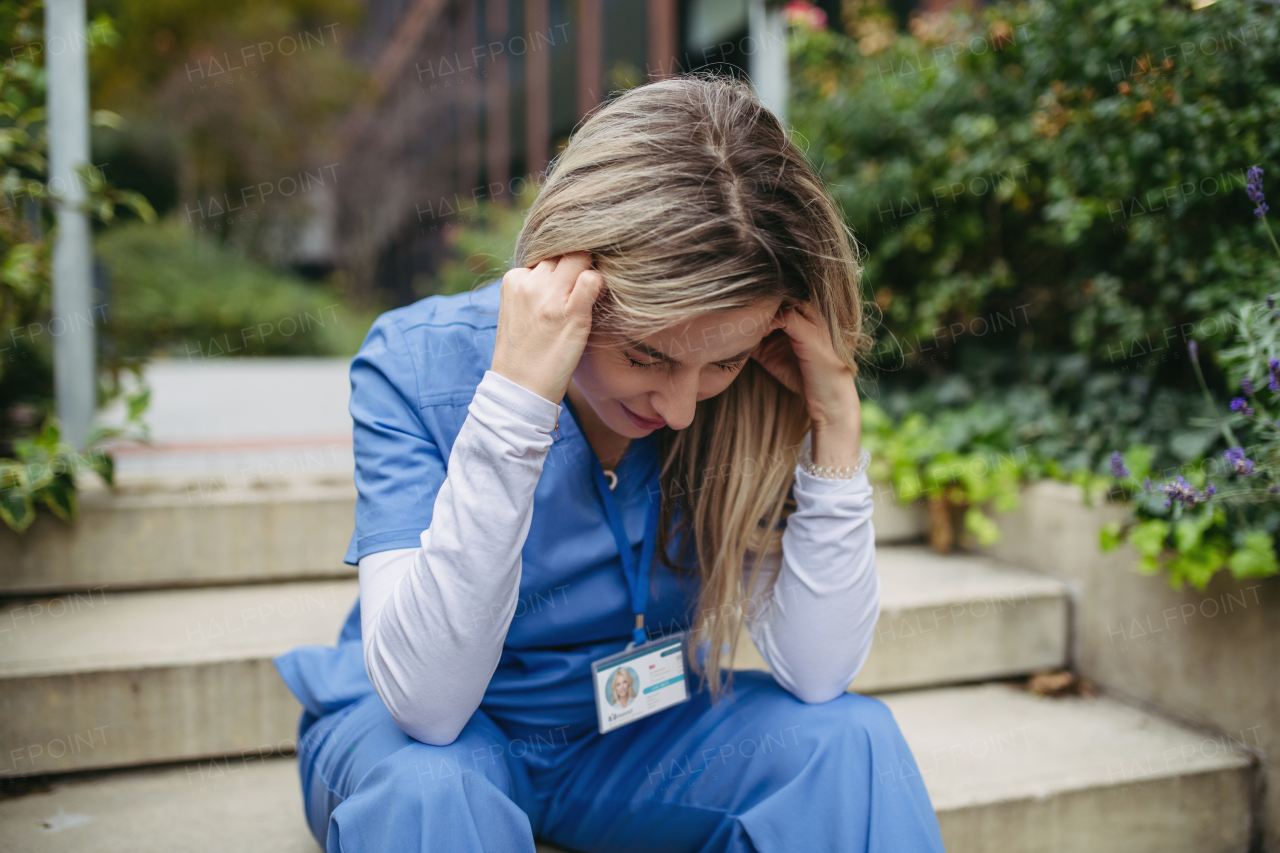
[411,384]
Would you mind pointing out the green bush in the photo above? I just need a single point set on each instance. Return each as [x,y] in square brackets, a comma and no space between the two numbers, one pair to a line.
[480,248]
[37,469]
[176,293]
[1051,196]
[963,461]
[1223,512]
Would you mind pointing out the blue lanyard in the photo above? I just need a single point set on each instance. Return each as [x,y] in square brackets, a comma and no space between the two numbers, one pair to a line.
[637,573]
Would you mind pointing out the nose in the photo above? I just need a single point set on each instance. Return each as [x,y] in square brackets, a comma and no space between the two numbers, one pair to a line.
[677,402]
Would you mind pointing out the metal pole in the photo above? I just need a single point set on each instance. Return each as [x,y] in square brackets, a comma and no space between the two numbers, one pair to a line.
[768,63]
[66,54]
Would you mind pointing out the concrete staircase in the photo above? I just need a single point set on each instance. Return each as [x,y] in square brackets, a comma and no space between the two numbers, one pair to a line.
[149,680]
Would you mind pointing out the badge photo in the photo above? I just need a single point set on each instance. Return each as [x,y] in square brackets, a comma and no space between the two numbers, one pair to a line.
[640,681]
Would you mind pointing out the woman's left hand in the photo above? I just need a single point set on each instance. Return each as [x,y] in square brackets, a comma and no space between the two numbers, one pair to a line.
[799,353]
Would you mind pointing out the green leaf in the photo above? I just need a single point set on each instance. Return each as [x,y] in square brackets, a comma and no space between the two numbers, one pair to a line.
[138,403]
[1149,537]
[49,436]
[1198,565]
[1138,460]
[105,466]
[1148,565]
[980,525]
[107,118]
[1188,532]
[1110,536]
[1257,559]
[60,497]
[17,509]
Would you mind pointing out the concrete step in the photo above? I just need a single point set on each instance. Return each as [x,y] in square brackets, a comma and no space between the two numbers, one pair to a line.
[111,679]
[1009,771]
[953,619]
[226,528]
[256,524]
[1005,770]
[213,412]
[108,679]
[251,805]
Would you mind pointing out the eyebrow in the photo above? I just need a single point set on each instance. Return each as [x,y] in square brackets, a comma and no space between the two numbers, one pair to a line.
[661,356]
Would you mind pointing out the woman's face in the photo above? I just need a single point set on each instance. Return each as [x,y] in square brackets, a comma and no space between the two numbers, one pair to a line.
[637,386]
[621,686]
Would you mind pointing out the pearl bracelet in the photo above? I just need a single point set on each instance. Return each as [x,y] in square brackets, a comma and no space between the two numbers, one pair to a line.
[828,472]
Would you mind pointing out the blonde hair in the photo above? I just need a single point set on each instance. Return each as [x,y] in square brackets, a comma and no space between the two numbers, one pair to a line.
[626,676]
[693,199]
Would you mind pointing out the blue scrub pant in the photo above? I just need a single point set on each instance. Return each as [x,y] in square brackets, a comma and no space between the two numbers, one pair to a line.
[757,771]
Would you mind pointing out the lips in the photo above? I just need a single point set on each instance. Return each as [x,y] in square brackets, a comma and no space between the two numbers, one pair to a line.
[644,423]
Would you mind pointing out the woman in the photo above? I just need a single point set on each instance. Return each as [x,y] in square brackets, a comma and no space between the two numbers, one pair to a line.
[666,372]
[622,692]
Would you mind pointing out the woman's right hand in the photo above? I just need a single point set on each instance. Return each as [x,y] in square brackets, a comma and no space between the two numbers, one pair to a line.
[544,319]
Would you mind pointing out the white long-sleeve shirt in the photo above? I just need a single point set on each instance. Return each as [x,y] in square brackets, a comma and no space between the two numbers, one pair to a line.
[431,657]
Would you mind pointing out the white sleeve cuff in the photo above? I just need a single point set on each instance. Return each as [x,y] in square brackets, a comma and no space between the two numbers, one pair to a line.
[534,409]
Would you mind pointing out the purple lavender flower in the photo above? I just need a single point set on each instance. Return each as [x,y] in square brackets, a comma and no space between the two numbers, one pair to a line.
[1147,485]
[1118,469]
[1185,493]
[1238,461]
[1240,404]
[1254,188]
[1246,385]
[1271,301]
[1194,349]
[1274,365]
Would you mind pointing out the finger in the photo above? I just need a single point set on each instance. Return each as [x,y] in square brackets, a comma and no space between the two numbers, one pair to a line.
[546,265]
[804,331]
[572,265]
[797,316]
[586,290]
[514,276]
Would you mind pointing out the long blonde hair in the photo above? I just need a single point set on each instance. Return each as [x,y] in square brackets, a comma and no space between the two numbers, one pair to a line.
[693,199]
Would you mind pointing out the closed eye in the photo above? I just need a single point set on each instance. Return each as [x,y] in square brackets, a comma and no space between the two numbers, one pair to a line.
[727,366]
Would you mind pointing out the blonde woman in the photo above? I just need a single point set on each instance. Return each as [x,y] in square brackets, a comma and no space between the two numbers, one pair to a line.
[671,360]
[623,692]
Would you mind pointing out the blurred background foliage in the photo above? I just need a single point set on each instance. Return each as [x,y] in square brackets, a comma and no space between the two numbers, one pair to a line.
[223,95]
[483,249]
[36,467]
[192,100]
[1052,200]
[177,294]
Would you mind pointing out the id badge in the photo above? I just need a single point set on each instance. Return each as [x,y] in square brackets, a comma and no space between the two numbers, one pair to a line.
[640,681]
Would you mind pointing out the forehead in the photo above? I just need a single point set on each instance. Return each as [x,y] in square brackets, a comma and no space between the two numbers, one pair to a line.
[713,335]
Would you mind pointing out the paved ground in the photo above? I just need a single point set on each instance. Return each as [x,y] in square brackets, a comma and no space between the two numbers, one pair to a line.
[278,415]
